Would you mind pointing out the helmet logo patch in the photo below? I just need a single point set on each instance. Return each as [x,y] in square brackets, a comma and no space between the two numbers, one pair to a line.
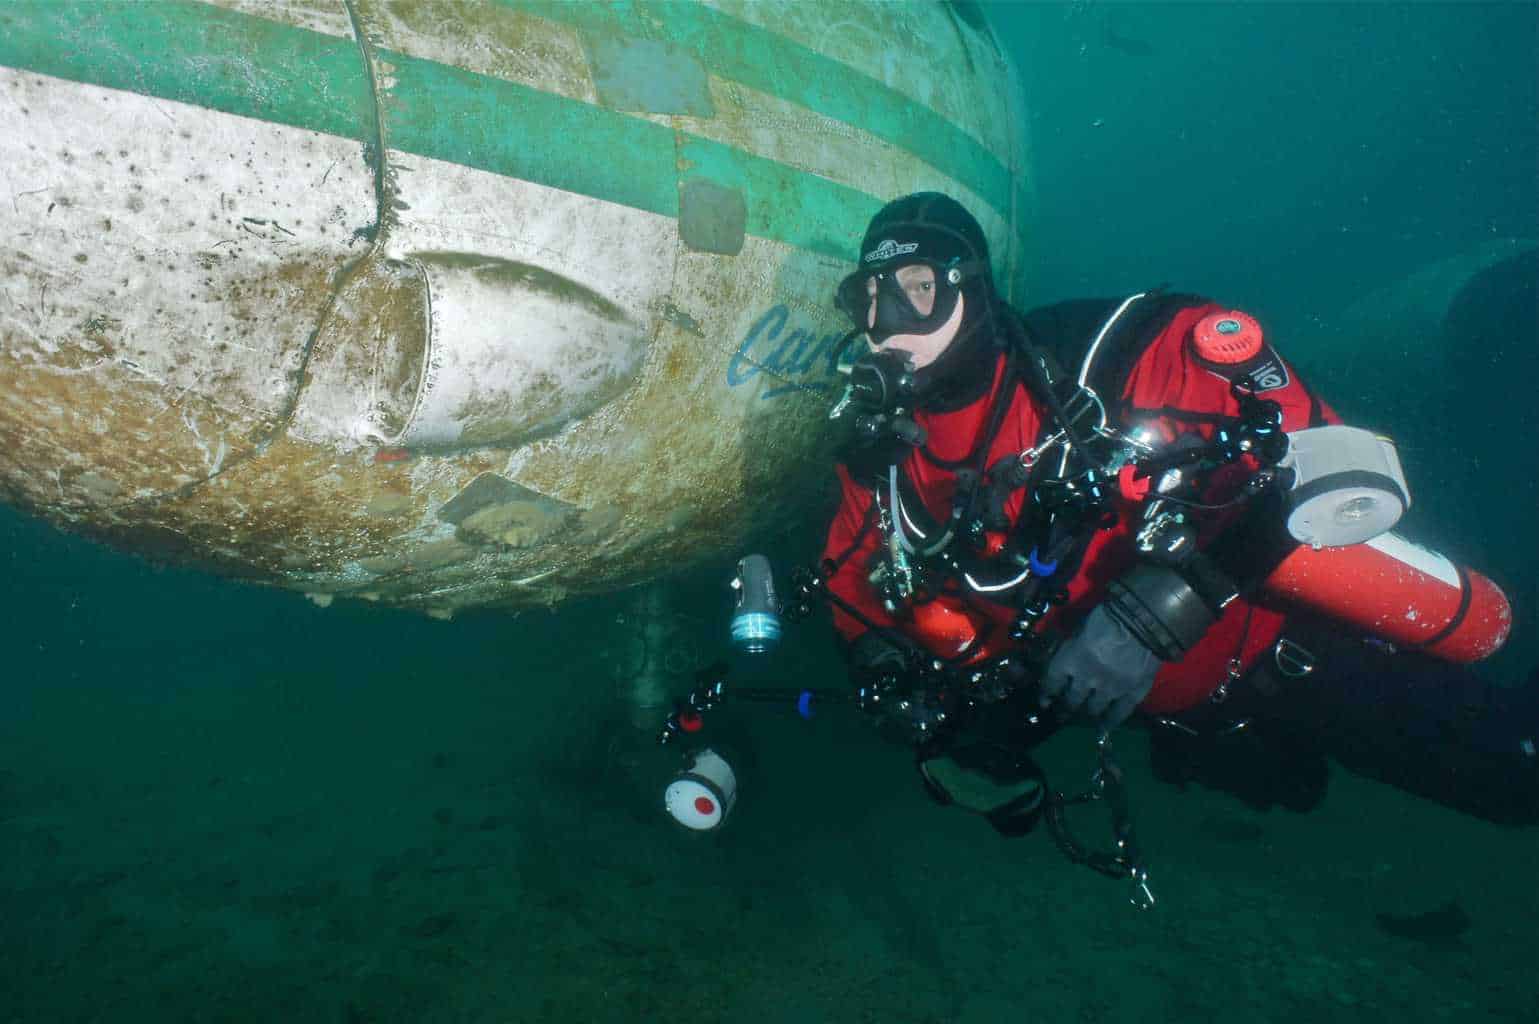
[887,249]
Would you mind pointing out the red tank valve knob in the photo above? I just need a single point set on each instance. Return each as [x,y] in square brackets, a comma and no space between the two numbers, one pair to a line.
[690,721]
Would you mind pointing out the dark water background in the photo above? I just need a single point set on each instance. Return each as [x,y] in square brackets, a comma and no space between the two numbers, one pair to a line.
[220,803]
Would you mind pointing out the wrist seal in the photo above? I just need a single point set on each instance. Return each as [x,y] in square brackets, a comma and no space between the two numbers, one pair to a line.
[1161,609]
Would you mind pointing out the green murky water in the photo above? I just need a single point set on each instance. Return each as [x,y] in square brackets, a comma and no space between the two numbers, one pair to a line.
[220,803]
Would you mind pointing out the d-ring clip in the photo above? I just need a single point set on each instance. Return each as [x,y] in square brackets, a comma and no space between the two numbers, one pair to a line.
[1292,660]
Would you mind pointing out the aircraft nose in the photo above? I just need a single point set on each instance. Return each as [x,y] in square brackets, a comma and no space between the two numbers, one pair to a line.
[453,350]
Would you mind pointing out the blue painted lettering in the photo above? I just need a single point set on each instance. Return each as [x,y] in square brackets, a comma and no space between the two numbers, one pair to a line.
[735,373]
[799,358]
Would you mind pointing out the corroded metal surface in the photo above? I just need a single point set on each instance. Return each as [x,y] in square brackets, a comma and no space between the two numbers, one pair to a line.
[451,305]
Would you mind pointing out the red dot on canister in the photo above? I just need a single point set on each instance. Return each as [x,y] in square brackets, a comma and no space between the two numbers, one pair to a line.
[705,805]
[689,721]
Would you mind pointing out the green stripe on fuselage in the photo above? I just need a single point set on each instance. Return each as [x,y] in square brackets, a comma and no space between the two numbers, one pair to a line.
[240,64]
[195,54]
[508,129]
[771,63]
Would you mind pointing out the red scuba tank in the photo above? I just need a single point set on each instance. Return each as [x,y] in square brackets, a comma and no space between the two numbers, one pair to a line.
[1400,592]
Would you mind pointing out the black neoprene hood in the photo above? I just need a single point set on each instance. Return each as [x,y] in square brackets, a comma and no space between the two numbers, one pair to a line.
[933,228]
[926,226]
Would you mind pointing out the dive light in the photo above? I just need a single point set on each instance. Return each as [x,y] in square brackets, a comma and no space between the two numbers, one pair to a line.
[756,618]
[702,795]
[1346,486]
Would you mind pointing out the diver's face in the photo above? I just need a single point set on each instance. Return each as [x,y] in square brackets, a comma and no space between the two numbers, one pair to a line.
[918,283]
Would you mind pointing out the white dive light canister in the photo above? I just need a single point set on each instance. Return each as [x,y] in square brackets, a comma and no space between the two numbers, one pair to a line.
[703,794]
[1347,486]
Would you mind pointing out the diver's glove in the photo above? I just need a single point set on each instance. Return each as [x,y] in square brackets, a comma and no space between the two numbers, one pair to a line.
[1102,670]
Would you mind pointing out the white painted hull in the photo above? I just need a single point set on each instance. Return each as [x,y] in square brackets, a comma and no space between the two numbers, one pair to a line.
[394,363]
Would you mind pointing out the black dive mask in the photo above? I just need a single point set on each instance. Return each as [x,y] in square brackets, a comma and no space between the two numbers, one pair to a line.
[895,310]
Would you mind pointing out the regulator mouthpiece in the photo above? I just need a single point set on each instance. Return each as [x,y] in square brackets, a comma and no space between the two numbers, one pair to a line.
[881,381]
[756,619]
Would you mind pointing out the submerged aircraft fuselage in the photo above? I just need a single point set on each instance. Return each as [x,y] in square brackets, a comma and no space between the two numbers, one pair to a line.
[453,305]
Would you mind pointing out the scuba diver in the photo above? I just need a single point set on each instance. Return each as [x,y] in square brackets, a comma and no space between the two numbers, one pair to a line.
[1107,506]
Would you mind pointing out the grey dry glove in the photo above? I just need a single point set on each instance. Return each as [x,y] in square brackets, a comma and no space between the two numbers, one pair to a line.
[1103,669]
